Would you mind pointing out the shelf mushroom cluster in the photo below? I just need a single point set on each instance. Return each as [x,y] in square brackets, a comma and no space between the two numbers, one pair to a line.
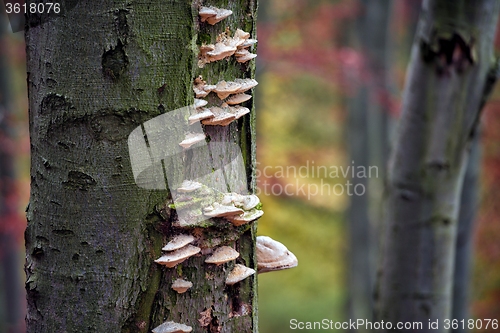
[231,93]
[226,46]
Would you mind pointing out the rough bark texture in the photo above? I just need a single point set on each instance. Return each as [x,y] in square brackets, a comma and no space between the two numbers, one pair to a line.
[447,79]
[94,74]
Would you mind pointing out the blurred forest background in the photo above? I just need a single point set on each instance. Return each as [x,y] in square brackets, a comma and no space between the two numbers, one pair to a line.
[319,63]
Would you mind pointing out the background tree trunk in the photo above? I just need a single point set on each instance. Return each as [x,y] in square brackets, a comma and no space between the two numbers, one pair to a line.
[11,225]
[368,134]
[446,82]
[94,74]
[468,209]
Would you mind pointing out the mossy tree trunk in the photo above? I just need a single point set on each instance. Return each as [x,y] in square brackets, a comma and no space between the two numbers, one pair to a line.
[449,75]
[94,74]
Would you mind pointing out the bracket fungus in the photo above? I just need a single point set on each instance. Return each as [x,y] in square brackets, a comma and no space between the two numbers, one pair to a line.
[226,46]
[178,242]
[213,15]
[188,186]
[239,273]
[221,117]
[273,256]
[200,87]
[246,217]
[172,327]
[244,55]
[191,139]
[246,84]
[181,285]
[246,202]
[171,259]
[222,255]
[199,103]
[224,89]
[218,210]
[238,98]
[201,115]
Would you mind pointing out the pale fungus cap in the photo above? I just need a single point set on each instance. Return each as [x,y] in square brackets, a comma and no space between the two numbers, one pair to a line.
[199,103]
[213,15]
[238,111]
[248,42]
[220,52]
[244,55]
[200,87]
[203,114]
[221,117]
[172,327]
[181,286]
[218,210]
[206,12]
[189,186]
[224,89]
[178,242]
[238,98]
[250,201]
[246,84]
[239,273]
[246,217]
[273,256]
[173,258]
[191,139]
[246,202]
[241,34]
[222,255]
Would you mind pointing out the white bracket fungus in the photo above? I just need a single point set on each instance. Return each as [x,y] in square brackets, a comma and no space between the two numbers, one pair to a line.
[273,256]
[173,258]
[239,273]
[181,286]
[218,210]
[191,139]
[201,115]
[238,98]
[246,217]
[213,15]
[172,327]
[178,242]
[222,255]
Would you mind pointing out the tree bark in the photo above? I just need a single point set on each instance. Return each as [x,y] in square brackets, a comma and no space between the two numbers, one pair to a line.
[468,209]
[95,73]
[446,83]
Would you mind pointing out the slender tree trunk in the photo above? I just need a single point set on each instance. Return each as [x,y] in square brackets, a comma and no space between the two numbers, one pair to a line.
[96,73]
[468,210]
[11,292]
[446,83]
[368,146]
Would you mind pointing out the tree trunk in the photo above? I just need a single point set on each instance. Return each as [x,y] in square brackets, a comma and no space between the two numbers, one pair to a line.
[468,209]
[447,80]
[11,225]
[368,146]
[95,73]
